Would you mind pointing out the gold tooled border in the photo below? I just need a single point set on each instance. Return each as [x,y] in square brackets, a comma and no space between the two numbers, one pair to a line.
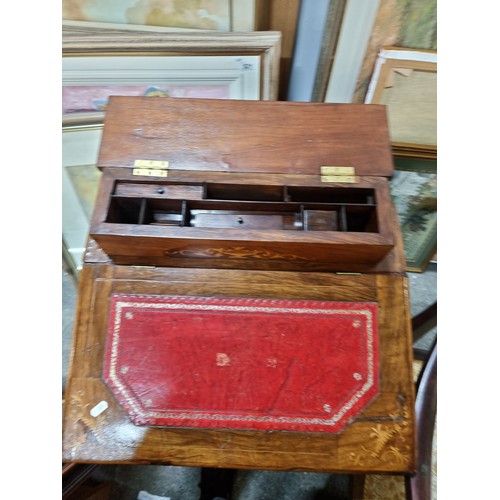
[132,403]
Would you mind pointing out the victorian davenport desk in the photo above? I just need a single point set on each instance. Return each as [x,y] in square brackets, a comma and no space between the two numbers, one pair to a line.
[243,301]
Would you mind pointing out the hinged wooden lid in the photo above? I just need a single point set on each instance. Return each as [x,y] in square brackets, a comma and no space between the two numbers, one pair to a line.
[246,136]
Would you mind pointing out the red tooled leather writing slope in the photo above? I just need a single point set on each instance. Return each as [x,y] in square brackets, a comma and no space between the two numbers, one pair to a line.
[231,363]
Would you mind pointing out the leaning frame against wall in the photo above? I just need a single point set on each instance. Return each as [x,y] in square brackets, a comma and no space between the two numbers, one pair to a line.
[405,81]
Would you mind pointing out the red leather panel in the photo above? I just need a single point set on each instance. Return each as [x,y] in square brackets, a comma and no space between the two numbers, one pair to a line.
[294,365]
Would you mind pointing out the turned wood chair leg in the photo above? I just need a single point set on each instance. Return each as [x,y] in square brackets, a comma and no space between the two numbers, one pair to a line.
[419,486]
[216,483]
[73,476]
[356,486]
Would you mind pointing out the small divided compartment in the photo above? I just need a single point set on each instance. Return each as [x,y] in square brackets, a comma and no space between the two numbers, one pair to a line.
[243,225]
[242,185]
[257,207]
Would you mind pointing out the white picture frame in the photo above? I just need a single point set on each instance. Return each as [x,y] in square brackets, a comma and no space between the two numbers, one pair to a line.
[88,80]
[79,176]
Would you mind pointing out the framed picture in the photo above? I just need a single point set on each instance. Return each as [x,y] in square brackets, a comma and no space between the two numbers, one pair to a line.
[333,24]
[89,81]
[217,15]
[405,81]
[415,197]
[80,181]
[357,19]
[99,62]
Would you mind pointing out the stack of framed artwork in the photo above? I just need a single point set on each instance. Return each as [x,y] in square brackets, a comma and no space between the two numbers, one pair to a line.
[405,80]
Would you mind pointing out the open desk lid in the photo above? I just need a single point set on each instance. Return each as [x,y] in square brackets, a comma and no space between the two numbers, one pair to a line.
[246,136]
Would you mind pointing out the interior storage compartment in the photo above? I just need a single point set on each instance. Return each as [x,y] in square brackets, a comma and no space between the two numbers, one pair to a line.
[131,210]
[174,191]
[364,196]
[243,192]
[232,196]
[245,207]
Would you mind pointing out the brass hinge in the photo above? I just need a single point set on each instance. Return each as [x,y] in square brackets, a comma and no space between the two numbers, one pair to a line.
[150,168]
[338,174]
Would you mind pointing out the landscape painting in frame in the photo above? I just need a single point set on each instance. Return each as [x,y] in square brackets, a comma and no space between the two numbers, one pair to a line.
[211,15]
[195,14]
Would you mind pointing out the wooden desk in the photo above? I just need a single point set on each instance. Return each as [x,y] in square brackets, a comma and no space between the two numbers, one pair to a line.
[378,438]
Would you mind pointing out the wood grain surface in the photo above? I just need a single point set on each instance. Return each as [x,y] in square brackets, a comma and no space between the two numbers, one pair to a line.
[247,246]
[381,438]
[246,149]
[246,136]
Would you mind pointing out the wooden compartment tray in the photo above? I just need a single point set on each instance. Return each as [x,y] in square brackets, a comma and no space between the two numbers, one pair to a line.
[294,225]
